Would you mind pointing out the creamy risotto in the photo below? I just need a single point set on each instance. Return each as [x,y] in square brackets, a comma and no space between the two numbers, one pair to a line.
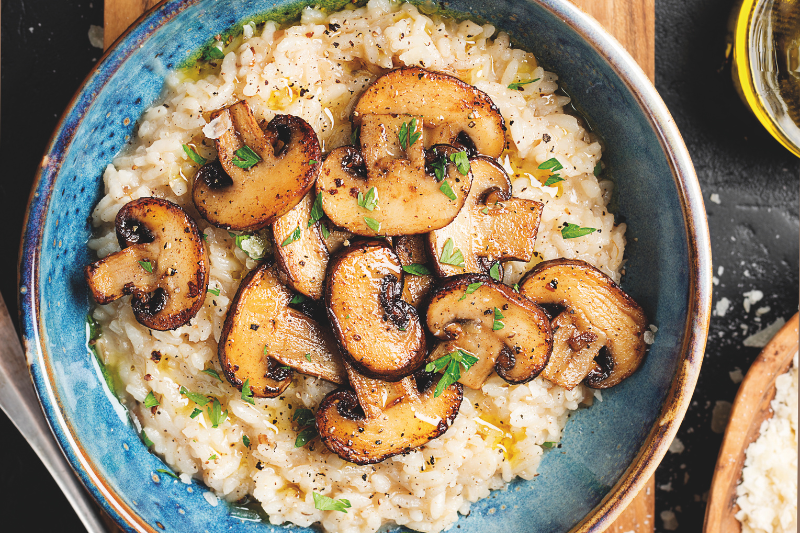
[316,70]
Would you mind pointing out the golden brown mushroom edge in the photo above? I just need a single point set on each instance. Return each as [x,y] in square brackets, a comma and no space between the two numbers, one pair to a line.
[163,264]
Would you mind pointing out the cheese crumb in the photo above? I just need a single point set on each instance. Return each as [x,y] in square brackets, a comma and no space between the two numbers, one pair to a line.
[736,375]
[760,338]
[722,307]
[752,297]
[715,198]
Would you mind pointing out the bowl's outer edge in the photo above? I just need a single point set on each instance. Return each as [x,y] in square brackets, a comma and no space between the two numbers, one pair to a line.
[677,401]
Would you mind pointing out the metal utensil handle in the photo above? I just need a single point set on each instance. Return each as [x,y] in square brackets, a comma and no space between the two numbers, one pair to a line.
[18,400]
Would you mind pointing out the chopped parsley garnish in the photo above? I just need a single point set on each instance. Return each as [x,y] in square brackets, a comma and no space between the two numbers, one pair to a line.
[214,52]
[312,161]
[255,246]
[494,272]
[461,161]
[194,156]
[245,157]
[598,169]
[246,441]
[247,392]
[305,419]
[324,503]
[517,86]
[551,164]
[572,231]
[447,190]
[417,269]
[373,224]
[497,316]
[293,236]
[552,180]
[199,399]
[213,373]
[451,364]
[297,299]
[450,256]
[354,135]
[212,457]
[215,414]
[325,232]
[370,201]
[408,134]
[195,413]
[167,472]
[548,444]
[516,287]
[204,236]
[472,287]
[150,400]
[485,210]
[440,167]
[215,292]
[146,440]
[147,265]
[308,357]
[316,211]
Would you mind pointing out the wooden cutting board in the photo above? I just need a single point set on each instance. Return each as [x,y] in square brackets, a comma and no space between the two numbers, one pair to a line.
[632,22]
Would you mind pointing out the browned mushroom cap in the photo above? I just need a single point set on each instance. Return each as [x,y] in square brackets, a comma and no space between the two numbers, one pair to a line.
[492,225]
[449,107]
[380,334]
[382,419]
[262,334]
[579,286]
[576,344]
[400,195]
[411,251]
[163,264]
[303,259]
[251,198]
[507,332]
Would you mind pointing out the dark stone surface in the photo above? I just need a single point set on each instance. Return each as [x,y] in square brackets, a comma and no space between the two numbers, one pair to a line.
[754,228]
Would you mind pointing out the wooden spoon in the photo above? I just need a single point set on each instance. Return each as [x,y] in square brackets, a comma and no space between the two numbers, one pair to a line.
[750,408]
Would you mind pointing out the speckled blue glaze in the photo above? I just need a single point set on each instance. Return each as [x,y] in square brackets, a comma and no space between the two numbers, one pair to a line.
[608,450]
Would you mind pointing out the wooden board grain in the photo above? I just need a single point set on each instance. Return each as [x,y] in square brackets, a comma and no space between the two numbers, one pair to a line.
[632,23]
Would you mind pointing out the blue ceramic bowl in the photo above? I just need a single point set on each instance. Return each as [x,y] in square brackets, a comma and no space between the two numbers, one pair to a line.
[609,450]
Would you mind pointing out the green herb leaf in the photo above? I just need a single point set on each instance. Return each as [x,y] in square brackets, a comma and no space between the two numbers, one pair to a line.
[212,457]
[305,436]
[516,287]
[370,201]
[551,164]
[324,503]
[247,392]
[167,472]
[245,157]
[199,399]
[194,156]
[204,236]
[147,265]
[303,417]
[316,211]
[598,169]
[462,162]
[373,224]
[552,180]
[312,161]
[452,363]
[325,232]
[472,287]
[293,236]
[572,231]
[215,414]
[450,256]
[497,316]
[354,136]
[215,292]
[517,86]
[298,299]
[308,357]
[494,272]
[146,440]
[213,373]
[440,167]
[214,51]
[548,444]
[447,190]
[417,269]
[408,134]
[150,400]
[246,441]
[485,210]
[255,246]
[94,327]
[195,413]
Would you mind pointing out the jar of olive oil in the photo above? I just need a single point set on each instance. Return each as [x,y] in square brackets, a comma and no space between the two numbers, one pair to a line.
[766,65]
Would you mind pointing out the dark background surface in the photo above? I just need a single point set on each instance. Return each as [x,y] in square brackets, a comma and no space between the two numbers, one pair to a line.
[46,53]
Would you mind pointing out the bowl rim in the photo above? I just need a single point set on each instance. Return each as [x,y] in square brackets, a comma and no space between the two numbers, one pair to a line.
[620,61]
